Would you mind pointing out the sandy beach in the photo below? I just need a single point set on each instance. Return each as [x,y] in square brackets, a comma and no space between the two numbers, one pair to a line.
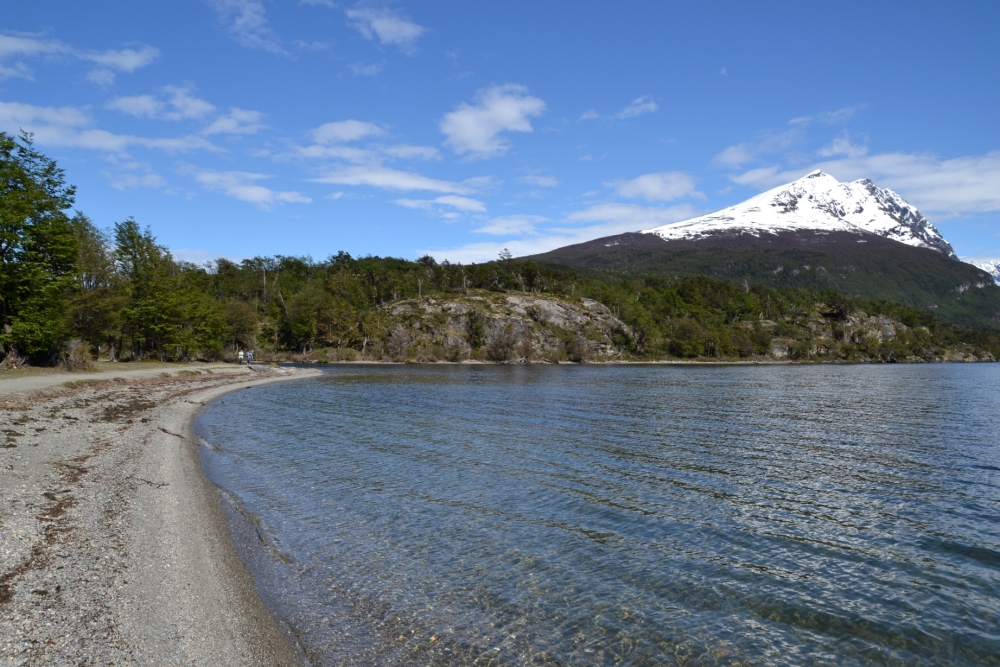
[114,548]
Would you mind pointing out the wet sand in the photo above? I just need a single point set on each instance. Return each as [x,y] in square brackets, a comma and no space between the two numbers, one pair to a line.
[114,547]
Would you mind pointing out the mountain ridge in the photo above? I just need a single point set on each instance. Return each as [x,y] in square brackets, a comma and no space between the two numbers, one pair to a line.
[818,202]
[855,238]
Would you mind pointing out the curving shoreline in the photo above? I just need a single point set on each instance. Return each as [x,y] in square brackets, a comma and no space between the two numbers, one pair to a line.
[114,546]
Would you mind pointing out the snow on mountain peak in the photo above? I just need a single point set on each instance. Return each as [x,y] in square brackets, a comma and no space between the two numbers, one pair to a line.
[991,267]
[818,202]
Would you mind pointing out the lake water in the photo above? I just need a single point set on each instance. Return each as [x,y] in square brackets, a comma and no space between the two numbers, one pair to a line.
[610,515]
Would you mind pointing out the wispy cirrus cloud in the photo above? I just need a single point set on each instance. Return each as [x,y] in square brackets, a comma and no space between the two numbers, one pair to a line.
[345,131]
[331,139]
[388,27]
[842,145]
[766,143]
[366,69]
[245,186]
[391,179]
[512,225]
[247,24]
[19,47]
[237,121]
[69,127]
[539,180]
[178,103]
[529,235]
[475,129]
[834,117]
[771,142]
[175,103]
[638,107]
[127,174]
[450,207]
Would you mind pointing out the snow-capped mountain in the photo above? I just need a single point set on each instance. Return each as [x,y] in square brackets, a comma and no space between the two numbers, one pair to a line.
[991,267]
[817,202]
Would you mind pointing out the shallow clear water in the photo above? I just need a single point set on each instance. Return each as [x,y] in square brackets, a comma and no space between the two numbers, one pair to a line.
[778,515]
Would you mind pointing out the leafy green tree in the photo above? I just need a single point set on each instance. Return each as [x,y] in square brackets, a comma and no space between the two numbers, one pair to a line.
[152,308]
[38,250]
[98,296]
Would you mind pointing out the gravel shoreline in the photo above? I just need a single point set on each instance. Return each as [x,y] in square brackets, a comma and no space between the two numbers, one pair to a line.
[114,547]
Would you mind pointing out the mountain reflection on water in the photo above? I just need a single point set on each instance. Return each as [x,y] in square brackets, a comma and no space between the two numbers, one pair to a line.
[642,515]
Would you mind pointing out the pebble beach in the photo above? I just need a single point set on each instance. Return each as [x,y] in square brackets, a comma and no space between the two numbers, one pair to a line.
[114,548]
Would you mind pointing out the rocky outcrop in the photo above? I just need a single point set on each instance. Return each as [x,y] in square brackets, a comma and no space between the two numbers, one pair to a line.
[505,328]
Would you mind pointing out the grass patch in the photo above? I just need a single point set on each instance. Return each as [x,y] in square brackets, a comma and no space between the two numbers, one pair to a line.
[73,384]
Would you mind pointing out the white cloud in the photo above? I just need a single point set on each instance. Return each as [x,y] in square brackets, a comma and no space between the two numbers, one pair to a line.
[184,104]
[104,78]
[841,145]
[67,126]
[243,186]
[345,130]
[590,115]
[475,129]
[770,142]
[140,106]
[330,137]
[387,26]
[123,60]
[408,152]
[237,121]
[512,225]
[938,187]
[829,117]
[632,217]
[735,156]
[246,21]
[13,114]
[466,204]
[16,71]
[129,180]
[17,45]
[766,143]
[638,106]
[391,179]
[540,181]
[346,153]
[480,182]
[361,69]
[319,3]
[663,186]
[611,219]
[180,104]
[723,71]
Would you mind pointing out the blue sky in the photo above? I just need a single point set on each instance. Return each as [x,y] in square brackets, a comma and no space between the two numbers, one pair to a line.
[244,127]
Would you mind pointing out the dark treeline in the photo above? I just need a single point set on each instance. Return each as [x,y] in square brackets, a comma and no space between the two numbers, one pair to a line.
[71,292]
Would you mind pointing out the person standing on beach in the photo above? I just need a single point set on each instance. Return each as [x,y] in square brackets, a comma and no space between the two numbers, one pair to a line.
[241,357]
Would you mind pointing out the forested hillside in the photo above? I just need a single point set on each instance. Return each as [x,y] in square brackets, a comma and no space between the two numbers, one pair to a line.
[72,292]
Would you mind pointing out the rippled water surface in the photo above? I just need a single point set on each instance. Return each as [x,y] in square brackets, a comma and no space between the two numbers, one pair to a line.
[807,515]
